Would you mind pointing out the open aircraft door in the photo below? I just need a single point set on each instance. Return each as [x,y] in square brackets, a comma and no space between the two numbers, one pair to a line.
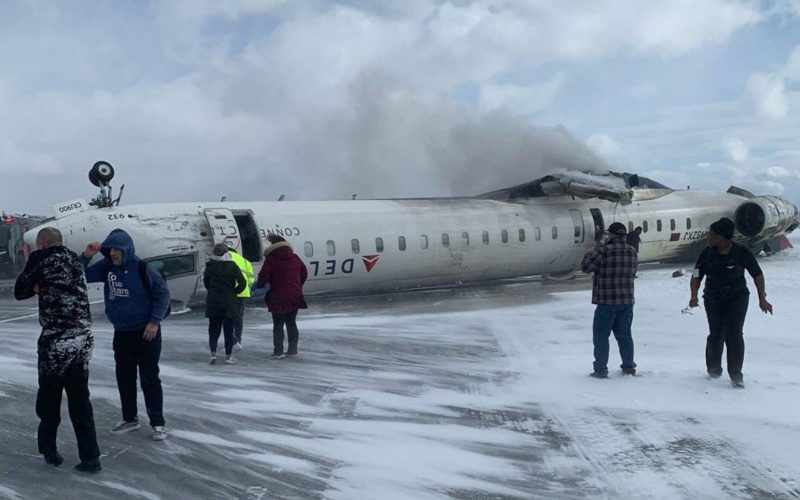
[223,227]
[599,223]
[577,226]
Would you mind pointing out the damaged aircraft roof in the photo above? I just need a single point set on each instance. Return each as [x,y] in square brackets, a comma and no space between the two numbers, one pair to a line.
[611,186]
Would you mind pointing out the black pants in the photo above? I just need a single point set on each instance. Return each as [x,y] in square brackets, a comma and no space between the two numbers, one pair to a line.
[288,319]
[238,323]
[725,323]
[216,324]
[131,351]
[75,381]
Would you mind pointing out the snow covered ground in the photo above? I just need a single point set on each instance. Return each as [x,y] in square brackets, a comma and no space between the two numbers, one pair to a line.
[470,393]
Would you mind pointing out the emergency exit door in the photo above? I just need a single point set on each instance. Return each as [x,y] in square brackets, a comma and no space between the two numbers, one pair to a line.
[223,227]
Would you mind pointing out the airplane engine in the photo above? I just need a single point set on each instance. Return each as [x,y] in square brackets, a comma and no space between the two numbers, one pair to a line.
[765,216]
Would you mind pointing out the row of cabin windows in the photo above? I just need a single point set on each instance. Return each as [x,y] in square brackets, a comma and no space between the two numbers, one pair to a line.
[659,225]
[355,244]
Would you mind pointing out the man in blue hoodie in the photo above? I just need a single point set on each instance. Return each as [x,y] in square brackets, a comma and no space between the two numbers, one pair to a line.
[136,301]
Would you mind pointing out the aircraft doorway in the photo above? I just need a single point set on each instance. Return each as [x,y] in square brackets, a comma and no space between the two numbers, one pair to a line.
[599,224]
[248,232]
[577,222]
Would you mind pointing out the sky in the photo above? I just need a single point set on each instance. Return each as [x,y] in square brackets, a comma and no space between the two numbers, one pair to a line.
[199,99]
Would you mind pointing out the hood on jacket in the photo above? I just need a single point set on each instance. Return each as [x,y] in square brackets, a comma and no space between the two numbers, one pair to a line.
[118,238]
[280,250]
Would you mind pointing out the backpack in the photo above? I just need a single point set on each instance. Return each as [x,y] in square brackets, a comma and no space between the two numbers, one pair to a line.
[146,284]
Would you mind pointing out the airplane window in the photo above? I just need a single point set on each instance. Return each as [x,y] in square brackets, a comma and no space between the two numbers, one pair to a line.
[445,240]
[688,223]
[504,236]
[672,224]
[423,241]
[173,266]
[309,249]
[401,243]
[658,225]
[555,232]
[521,235]
[486,237]
[630,227]
[379,245]
[465,237]
[331,247]
[644,226]
[537,234]
[577,231]
[354,244]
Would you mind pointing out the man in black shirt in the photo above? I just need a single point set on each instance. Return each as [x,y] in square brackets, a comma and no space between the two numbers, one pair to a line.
[725,297]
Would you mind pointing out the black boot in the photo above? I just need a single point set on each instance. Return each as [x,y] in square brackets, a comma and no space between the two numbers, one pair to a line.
[89,466]
[53,458]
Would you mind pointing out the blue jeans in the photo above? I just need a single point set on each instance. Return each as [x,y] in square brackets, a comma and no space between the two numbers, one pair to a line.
[608,318]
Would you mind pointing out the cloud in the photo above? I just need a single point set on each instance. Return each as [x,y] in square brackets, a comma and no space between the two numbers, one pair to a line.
[736,149]
[780,172]
[791,70]
[771,187]
[768,94]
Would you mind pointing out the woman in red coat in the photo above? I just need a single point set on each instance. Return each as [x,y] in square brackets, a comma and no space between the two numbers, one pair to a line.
[286,274]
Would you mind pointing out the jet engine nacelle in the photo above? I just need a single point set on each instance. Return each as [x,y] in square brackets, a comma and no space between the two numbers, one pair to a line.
[765,216]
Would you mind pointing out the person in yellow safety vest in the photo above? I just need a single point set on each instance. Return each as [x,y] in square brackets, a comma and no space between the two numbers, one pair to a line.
[247,271]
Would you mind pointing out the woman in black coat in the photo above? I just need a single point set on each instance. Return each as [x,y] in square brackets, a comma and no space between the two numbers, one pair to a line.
[223,281]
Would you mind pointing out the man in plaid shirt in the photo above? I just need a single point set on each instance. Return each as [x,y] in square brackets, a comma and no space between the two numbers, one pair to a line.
[614,266]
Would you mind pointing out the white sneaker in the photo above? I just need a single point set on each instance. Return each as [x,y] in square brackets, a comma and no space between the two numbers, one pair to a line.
[159,434]
[213,359]
[229,360]
[237,347]
[124,426]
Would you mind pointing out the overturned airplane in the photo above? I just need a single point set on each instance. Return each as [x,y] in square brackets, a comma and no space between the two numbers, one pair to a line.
[541,227]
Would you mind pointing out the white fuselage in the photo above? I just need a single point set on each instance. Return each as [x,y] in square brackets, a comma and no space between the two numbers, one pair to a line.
[370,245]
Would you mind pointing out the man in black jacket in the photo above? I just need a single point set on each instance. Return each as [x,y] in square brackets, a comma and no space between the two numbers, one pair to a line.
[64,347]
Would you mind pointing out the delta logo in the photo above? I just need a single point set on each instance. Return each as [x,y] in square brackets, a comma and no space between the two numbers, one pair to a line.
[370,261]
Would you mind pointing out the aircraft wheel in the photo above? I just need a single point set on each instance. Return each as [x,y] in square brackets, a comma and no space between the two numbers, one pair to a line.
[101,173]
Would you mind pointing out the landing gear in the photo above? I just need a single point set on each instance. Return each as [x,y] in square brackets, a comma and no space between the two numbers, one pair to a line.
[100,175]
